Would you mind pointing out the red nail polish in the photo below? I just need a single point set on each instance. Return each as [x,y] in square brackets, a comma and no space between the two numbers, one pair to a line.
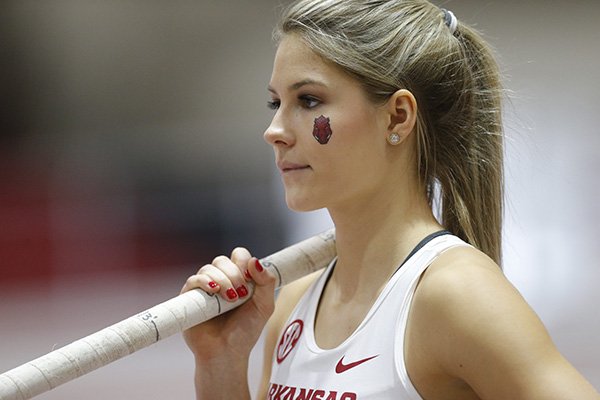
[247,275]
[259,267]
[231,294]
[242,291]
[212,284]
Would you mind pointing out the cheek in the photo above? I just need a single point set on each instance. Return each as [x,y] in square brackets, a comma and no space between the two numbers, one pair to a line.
[322,130]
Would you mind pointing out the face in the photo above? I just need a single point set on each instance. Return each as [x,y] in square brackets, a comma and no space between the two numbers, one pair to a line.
[328,138]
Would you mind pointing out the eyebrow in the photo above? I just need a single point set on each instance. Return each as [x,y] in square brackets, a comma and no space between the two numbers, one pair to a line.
[299,84]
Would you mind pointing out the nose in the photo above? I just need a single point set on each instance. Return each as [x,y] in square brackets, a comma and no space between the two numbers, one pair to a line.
[276,134]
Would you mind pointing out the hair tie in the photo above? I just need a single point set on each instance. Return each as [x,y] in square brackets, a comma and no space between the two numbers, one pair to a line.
[450,20]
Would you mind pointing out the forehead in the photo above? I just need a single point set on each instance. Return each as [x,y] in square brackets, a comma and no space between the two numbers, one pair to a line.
[295,61]
[292,50]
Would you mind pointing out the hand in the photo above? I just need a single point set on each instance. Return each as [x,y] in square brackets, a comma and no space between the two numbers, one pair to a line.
[235,332]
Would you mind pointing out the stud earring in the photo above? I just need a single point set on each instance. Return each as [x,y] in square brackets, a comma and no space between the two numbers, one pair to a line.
[393,138]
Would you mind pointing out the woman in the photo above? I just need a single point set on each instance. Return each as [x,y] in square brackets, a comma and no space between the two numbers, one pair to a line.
[384,111]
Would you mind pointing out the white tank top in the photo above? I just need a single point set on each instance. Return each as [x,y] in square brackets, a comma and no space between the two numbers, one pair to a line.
[370,363]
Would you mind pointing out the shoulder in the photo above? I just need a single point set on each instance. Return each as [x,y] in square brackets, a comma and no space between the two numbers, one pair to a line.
[465,294]
[457,294]
[473,325]
[461,274]
[461,287]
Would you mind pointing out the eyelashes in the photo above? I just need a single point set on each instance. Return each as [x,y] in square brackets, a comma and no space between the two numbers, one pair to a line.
[273,104]
[306,101]
[309,101]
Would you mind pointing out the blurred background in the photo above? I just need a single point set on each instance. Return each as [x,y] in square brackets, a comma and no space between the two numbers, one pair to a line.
[131,153]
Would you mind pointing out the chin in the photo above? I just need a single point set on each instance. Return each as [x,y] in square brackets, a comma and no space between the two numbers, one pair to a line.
[301,205]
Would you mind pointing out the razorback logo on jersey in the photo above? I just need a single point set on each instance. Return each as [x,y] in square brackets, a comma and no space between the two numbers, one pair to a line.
[288,340]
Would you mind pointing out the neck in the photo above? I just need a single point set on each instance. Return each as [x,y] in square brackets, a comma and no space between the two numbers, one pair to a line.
[374,237]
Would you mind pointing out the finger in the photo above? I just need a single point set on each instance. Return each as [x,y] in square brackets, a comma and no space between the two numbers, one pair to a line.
[260,275]
[240,257]
[201,281]
[212,280]
[264,291]
[236,287]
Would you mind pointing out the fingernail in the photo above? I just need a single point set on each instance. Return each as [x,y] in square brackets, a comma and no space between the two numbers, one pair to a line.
[247,275]
[231,294]
[259,267]
[242,291]
[212,284]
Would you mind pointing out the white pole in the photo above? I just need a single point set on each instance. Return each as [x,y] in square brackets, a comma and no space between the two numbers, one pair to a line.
[150,326]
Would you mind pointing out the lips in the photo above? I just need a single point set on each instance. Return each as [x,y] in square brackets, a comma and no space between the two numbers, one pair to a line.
[286,166]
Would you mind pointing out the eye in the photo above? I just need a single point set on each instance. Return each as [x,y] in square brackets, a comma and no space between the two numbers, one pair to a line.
[273,104]
[309,101]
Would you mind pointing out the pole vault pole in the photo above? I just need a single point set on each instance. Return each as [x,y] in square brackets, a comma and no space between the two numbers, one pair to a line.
[157,323]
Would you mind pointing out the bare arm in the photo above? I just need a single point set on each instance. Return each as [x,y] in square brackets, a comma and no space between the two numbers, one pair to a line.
[479,330]
[208,379]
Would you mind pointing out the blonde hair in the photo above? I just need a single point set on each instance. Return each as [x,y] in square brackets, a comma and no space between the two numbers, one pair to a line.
[393,44]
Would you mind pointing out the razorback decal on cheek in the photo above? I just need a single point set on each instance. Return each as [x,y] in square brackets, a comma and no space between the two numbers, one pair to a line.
[322,130]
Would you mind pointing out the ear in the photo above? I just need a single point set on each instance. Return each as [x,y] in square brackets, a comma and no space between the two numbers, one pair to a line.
[402,109]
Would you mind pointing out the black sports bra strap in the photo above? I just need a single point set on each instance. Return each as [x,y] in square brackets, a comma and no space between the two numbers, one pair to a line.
[422,243]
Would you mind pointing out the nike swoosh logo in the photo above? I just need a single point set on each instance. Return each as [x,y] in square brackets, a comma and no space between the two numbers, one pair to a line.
[341,367]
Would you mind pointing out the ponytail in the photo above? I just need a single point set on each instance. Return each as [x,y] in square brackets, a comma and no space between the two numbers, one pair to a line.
[464,155]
